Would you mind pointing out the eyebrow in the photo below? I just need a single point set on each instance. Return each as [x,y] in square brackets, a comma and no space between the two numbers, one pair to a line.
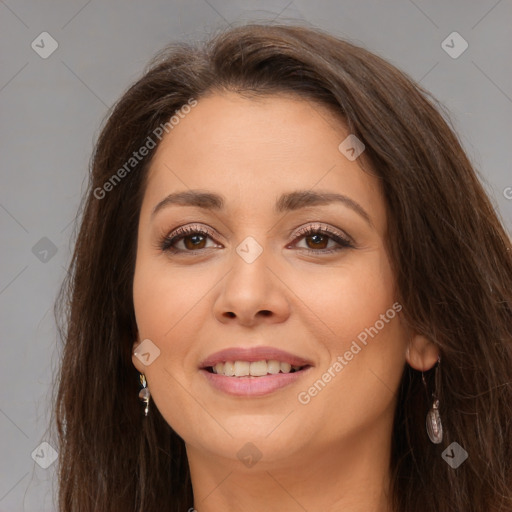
[289,201]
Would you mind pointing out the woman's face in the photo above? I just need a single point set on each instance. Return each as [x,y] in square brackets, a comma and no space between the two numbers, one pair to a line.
[257,283]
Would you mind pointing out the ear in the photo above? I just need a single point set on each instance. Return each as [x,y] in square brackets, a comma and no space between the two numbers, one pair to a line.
[421,353]
[135,360]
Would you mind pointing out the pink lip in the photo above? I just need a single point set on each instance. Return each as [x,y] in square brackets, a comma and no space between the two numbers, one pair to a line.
[252,386]
[254,354]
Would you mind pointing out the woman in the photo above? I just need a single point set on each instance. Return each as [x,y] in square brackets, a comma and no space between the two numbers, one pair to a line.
[286,253]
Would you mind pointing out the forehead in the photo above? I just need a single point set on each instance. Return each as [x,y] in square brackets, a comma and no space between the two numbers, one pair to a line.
[251,150]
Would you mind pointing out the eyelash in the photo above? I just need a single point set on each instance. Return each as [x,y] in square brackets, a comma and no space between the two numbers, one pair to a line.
[167,242]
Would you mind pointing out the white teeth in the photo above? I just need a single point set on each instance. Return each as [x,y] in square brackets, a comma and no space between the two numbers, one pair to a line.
[242,368]
[229,368]
[258,368]
[273,366]
[286,367]
[254,369]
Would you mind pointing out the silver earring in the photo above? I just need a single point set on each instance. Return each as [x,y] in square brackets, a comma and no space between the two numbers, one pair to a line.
[144,393]
[433,422]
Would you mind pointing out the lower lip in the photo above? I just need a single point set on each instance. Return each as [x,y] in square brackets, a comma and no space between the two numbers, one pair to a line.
[252,386]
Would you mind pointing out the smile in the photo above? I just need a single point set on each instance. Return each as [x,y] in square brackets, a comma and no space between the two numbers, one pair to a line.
[253,369]
[242,382]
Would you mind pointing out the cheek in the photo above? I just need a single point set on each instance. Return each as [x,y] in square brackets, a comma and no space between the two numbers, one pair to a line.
[160,301]
[162,296]
[364,329]
[347,298]
[165,303]
[366,317]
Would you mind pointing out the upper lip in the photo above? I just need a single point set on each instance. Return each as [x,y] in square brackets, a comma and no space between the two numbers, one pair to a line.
[253,354]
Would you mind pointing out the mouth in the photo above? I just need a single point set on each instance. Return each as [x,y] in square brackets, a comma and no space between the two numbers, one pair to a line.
[240,359]
[262,368]
[253,372]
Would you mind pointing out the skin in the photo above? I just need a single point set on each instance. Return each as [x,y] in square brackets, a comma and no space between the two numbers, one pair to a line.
[195,303]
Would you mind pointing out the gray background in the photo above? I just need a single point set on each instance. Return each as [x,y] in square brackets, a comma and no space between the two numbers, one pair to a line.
[51,112]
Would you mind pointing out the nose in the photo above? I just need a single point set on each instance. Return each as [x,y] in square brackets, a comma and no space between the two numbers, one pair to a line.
[252,293]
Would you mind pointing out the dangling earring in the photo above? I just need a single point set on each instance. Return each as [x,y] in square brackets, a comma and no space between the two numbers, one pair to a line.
[433,423]
[144,393]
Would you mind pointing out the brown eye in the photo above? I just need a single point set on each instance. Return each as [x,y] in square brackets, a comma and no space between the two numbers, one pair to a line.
[318,237]
[319,241]
[193,239]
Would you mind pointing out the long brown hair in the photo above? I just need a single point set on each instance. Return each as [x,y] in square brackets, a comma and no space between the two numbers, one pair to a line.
[451,257]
